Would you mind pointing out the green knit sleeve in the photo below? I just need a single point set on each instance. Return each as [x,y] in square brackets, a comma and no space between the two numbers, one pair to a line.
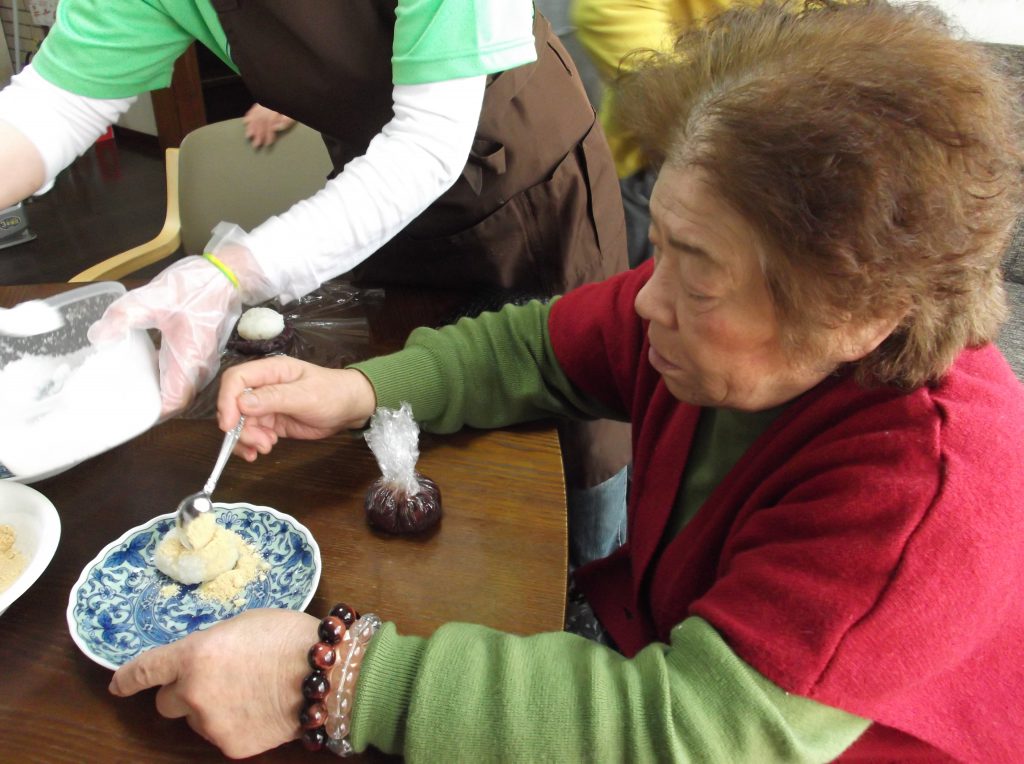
[490,371]
[473,694]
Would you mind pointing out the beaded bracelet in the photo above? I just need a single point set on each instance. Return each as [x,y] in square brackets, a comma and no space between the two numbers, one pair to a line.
[339,704]
[335,662]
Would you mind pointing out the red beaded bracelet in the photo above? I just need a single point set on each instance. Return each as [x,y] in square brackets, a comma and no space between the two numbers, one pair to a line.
[316,686]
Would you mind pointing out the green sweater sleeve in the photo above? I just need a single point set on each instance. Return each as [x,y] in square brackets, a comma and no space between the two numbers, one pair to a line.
[491,371]
[473,694]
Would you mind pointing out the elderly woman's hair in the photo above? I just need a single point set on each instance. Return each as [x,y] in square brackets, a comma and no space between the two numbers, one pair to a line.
[878,155]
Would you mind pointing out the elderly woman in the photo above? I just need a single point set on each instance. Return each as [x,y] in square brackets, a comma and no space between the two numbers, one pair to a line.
[825,527]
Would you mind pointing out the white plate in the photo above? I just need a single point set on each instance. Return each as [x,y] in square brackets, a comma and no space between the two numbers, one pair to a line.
[36,527]
[117,611]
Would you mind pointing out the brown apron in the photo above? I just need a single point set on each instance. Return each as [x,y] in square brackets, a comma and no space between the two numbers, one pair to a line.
[537,207]
[536,210]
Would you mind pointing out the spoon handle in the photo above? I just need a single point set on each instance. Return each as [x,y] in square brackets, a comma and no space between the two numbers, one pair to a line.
[230,438]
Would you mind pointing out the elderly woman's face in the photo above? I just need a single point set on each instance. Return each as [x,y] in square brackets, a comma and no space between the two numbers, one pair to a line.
[715,337]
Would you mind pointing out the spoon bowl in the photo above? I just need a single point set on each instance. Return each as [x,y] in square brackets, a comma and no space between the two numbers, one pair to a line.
[200,502]
[190,508]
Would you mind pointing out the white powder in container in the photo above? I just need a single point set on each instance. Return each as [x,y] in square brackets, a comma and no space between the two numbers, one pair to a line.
[59,410]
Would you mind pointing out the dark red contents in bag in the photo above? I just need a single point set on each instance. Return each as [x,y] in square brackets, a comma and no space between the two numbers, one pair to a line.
[261,347]
[394,511]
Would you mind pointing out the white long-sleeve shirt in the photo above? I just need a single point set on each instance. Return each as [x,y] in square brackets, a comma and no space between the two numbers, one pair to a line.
[416,157]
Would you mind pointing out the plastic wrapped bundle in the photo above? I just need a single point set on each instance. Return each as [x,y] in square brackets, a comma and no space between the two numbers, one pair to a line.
[401,500]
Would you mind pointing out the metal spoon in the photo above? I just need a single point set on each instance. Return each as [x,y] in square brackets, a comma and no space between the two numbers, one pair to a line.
[30,318]
[196,504]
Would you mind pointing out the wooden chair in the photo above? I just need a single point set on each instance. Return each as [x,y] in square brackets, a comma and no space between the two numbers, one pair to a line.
[217,176]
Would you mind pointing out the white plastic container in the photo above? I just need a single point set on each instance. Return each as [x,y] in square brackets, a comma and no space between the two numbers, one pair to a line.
[63,400]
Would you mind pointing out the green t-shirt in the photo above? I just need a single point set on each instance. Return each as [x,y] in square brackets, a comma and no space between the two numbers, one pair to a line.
[446,39]
[120,48]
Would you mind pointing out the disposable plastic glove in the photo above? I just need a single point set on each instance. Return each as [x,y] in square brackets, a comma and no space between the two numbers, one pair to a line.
[195,306]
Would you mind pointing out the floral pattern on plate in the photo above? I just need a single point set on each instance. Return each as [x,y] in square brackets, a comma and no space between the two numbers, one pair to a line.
[119,608]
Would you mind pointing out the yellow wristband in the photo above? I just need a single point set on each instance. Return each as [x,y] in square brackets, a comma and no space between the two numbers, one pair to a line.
[217,263]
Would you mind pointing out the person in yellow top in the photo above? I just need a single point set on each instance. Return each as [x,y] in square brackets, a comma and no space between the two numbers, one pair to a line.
[608,30]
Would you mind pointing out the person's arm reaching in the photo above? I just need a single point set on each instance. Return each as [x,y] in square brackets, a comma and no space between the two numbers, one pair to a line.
[23,168]
[295,399]
[43,128]
[416,157]
[495,370]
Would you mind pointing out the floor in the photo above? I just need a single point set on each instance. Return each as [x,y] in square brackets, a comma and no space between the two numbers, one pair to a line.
[111,198]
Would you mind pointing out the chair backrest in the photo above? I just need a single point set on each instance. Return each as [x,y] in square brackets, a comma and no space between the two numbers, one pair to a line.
[222,178]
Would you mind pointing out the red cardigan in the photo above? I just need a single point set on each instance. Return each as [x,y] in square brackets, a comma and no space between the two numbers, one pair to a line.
[866,552]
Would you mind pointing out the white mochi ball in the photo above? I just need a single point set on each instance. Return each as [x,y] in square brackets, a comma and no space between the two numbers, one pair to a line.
[260,324]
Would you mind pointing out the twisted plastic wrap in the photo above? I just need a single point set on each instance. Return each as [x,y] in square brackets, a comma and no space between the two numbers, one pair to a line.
[401,500]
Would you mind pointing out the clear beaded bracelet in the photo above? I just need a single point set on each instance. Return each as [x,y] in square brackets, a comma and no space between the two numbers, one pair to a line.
[339,702]
[328,690]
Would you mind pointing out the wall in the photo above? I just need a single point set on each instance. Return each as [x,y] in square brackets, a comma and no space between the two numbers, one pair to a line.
[30,34]
[6,69]
[989,20]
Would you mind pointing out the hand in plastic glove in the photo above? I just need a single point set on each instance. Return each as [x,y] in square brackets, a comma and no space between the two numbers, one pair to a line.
[262,125]
[291,399]
[194,306]
[236,683]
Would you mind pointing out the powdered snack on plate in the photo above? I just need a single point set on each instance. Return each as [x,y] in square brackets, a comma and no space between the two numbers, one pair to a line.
[218,559]
[401,500]
[261,331]
[211,550]
[12,562]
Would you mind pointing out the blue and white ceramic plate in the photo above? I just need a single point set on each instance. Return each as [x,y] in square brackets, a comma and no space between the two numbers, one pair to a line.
[118,610]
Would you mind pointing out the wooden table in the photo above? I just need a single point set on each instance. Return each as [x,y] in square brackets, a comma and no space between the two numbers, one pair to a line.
[498,557]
